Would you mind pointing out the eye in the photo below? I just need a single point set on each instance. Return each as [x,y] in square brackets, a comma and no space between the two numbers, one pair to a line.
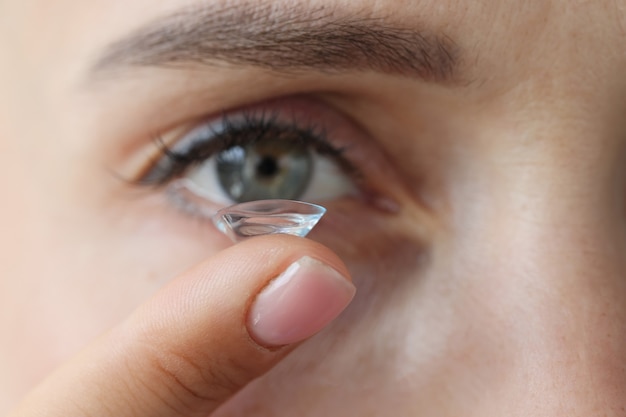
[270,152]
[280,161]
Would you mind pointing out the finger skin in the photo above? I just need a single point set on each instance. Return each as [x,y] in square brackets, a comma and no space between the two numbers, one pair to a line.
[185,351]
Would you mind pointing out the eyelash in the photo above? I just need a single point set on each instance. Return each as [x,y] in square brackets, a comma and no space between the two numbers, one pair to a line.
[248,128]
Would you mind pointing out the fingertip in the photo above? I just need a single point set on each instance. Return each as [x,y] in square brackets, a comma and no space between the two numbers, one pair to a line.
[300,302]
[289,249]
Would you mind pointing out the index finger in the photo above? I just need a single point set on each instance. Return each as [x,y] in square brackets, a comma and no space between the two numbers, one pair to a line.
[204,336]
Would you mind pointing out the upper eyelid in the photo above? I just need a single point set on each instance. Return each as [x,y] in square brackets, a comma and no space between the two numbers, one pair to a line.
[263,123]
[175,159]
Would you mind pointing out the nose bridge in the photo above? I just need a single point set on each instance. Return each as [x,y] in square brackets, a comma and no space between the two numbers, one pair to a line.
[555,200]
[551,175]
[556,252]
[542,251]
[545,195]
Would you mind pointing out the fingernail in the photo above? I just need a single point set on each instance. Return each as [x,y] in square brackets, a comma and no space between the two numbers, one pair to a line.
[298,303]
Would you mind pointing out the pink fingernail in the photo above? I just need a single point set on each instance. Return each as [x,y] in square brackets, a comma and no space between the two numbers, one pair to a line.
[299,303]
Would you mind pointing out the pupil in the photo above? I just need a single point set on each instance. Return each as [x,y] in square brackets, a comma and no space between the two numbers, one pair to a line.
[267,167]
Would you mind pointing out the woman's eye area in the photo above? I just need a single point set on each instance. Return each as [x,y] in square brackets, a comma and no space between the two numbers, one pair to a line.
[255,155]
[271,167]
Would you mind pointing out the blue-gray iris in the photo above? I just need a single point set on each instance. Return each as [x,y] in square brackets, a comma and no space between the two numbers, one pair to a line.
[266,169]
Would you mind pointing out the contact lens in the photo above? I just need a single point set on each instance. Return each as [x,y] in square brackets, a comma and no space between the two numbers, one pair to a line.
[268,217]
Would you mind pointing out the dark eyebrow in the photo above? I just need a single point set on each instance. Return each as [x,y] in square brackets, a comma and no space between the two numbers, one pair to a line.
[284,38]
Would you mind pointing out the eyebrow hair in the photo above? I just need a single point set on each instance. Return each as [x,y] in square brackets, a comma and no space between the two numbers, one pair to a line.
[284,38]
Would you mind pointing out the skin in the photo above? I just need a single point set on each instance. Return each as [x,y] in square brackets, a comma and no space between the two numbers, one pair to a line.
[495,287]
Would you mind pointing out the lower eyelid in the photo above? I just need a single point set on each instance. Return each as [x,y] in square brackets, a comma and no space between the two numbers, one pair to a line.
[349,228]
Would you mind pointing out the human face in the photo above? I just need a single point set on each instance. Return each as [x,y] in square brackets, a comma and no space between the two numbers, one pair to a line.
[485,228]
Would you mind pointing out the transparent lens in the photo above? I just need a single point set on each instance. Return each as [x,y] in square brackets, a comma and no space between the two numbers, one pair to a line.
[267,217]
